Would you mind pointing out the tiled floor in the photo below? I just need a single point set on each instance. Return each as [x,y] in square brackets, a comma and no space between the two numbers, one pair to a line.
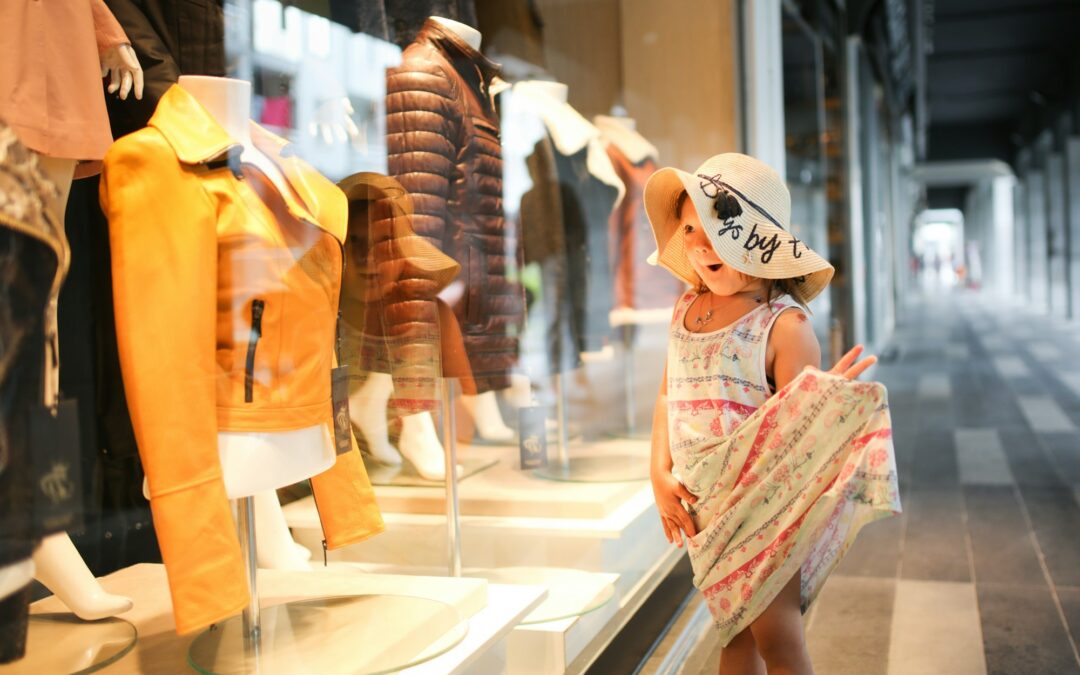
[981,573]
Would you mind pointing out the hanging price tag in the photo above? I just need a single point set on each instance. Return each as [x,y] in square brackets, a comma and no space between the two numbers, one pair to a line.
[339,392]
[532,423]
[57,477]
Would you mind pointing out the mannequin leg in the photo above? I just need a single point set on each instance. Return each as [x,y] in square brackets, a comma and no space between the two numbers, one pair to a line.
[62,570]
[60,171]
[419,443]
[276,549]
[367,408]
[14,576]
[484,409]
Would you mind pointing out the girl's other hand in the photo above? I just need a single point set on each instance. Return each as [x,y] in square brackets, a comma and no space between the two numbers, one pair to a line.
[849,368]
[669,494]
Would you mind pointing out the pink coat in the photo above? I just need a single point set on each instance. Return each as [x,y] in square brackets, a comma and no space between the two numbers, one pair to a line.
[51,89]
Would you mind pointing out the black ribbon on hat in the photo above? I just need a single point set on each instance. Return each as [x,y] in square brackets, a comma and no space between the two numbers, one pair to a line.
[721,192]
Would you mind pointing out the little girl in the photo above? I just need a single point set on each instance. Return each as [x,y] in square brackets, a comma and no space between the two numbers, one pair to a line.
[766,464]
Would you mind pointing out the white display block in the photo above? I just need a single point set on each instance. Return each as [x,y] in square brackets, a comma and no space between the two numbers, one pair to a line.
[628,542]
[160,649]
[504,490]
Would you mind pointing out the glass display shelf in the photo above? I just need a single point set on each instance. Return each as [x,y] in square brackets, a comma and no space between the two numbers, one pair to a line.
[63,643]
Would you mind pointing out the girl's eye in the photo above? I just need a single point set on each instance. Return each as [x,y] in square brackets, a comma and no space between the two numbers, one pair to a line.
[688,229]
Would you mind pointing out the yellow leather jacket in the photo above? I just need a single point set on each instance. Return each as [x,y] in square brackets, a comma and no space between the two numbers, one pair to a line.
[226,293]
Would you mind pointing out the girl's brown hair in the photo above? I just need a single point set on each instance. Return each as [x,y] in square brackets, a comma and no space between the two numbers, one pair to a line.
[774,288]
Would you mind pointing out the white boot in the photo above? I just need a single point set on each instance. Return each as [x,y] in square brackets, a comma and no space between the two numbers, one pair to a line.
[484,409]
[275,548]
[419,443]
[367,408]
[62,570]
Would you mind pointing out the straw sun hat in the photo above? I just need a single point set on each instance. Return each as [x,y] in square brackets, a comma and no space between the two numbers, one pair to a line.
[745,209]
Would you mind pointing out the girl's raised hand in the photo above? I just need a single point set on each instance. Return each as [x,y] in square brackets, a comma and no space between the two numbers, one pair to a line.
[849,368]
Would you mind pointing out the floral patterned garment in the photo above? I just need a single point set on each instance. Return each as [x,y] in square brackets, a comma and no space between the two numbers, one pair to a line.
[784,482]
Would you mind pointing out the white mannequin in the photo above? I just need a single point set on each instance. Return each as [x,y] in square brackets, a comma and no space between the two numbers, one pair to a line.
[255,464]
[56,563]
[569,130]
[622,133]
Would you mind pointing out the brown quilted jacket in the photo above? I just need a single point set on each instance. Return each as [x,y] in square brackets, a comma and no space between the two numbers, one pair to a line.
[444,148]
[390,316]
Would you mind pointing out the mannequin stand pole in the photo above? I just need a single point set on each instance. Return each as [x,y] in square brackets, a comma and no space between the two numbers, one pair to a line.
[629,380]
[453,520]
[560,420]
[245,507]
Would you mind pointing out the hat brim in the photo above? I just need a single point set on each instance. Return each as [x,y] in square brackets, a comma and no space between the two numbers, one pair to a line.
[810,271]
[415,255]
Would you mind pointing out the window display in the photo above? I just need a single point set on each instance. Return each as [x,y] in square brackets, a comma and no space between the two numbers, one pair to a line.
[368,271]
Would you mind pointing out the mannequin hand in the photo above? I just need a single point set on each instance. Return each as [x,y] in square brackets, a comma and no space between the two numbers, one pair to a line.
[669,494]
[847,366]
[122,68]
[334,122]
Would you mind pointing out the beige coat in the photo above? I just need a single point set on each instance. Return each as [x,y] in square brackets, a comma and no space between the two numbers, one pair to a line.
[51,89]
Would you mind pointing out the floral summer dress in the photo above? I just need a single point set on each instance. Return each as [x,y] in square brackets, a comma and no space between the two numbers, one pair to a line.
[784,482]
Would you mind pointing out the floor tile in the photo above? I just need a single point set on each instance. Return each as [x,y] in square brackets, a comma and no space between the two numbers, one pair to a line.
[1000,539]
[934,545]
[1011,366]
[1046,351]
[934,386]
[1070,605]
[1070,380]
[935,629]
[1044,414]
[1028,461]
[849,634]
[876,551]
[981,458]
[1022,631]
[1064,450]
[1055,517]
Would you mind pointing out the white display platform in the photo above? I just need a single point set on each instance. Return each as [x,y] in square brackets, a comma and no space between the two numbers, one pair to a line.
[160,649]
[627,542]
[504,490]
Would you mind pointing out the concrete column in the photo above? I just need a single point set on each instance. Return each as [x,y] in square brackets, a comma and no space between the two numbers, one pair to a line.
[763,81]
[1002,262]
[1072,199]
[1056,234]
[1036,240]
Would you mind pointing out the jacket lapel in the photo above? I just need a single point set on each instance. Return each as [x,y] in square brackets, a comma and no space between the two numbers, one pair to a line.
[197,138]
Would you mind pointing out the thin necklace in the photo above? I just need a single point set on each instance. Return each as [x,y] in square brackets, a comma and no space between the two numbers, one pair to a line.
[705,318]
[702,321]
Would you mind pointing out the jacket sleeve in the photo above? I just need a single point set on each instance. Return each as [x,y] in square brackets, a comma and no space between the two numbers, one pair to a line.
[107,31]
[420,127]
[162,234]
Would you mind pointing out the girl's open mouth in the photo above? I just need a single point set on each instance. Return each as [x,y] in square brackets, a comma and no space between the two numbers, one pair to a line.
[715,266]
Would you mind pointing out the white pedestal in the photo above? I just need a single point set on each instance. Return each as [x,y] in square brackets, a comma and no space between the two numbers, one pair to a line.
[491,609]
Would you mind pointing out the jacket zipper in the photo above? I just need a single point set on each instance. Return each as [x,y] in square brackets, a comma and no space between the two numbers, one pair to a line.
[257,307]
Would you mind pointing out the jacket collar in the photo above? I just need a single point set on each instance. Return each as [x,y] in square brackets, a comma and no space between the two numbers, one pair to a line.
[197,139]
[476,68]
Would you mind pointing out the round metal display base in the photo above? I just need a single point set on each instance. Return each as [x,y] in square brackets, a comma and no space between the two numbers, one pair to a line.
[597,469]
[64,643]
[358,634]
[571,593]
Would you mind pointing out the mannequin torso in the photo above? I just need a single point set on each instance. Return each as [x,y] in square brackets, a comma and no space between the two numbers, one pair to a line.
[257,462]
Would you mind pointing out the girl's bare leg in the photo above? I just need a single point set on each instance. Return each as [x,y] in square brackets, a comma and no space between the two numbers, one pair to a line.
[780,636]
[740,657]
